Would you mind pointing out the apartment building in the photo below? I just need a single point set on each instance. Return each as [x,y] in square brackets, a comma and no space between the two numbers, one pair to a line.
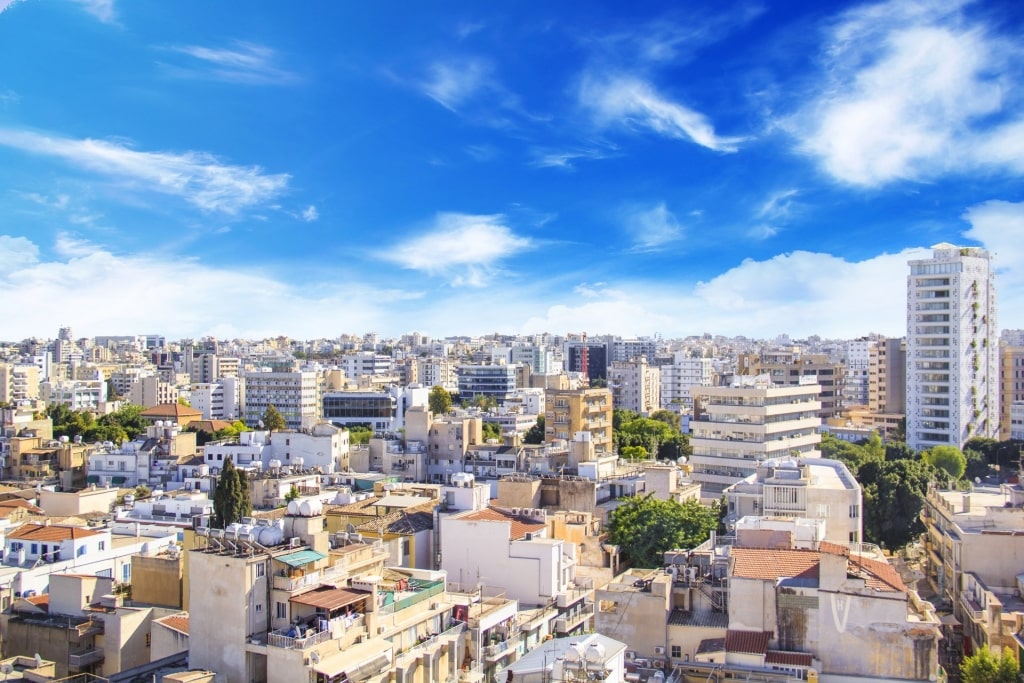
[952,348]
[492,382]
[635,385]
[18,382]
[567,412]
[814,488]
[1011,385]
[857,382]
[296,395]
[679,376]
[788,368]
[219,400]
[974,552]
[738,427]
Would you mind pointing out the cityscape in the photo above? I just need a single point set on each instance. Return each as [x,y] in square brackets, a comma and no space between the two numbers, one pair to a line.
[458,343]
[509,507]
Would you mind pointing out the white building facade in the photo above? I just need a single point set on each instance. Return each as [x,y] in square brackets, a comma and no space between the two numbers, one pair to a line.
[952,348]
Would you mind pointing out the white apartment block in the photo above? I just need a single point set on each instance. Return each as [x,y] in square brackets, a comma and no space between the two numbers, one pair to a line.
[684,373]
[366,363]
[217,400]
[952,348]
[635,385]
[858,373]
[296,395]
[805,488]
[441,372]
[738,427]
[75,394]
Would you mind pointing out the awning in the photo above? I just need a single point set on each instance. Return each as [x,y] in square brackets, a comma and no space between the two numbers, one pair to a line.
[359,662]
[331,598]
[301,557]
[949,620]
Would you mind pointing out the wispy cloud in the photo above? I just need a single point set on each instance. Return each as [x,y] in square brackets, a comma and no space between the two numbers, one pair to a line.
[101,9]
[566,159]
[482,152]
[452,84]
[762,232]
[635,103]
[778,205]
[912,90]
[310,214]
[652,227]
[197,177]
[462,247]
[240,62]
[677,37]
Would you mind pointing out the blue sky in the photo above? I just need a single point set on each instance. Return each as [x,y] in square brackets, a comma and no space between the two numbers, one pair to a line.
[264,168]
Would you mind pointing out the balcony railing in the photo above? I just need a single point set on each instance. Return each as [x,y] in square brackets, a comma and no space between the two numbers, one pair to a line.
[86,658]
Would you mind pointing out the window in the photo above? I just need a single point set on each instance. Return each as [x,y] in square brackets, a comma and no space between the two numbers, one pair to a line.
[282,610]
[126,572]
[259,608]
[102,545]
[261,569]
[854,511]
[677,651]
[35,549]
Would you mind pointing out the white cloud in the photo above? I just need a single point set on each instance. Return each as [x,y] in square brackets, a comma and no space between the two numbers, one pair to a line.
[310,214]
[242,62]
[75,287]
[779,205]
[999,226]
[912,91]
[652,227]
[565,159]
[762,231]
[101,9]
[197,177]
[635,103]
[452,84]
[7,4]
[466,248]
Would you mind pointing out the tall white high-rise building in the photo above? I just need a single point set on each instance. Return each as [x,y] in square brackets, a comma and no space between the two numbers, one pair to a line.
[952,348]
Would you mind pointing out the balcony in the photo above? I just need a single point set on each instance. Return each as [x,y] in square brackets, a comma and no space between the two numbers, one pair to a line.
[496,651]
[971,609]
[86,658]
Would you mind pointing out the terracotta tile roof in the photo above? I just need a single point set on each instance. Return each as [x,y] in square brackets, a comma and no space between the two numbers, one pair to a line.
[520,525]
[749,642]
[20,503]
[833,548]
[40,600]
[177,622]
[766,564]
[171,410]
[787,658]
[879,575]
[50,532]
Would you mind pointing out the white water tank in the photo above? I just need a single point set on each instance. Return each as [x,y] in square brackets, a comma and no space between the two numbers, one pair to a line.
[293,508]
[268,536]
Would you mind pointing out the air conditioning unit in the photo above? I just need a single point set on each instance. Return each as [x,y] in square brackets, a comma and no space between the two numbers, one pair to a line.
[294,542]
[381,629]
[659,650]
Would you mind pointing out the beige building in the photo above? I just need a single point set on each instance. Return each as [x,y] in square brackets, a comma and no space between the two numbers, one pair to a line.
[974,552]
[18,382]
[1011,384]
[580,410]
[635,385]
[77,503]
[157,578]
[813,488]
[790,369]
[738,427]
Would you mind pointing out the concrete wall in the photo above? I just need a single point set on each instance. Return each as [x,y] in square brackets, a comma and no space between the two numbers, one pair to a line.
[519,494]
[166,642]
[631,616]
[61,504]
[157,580]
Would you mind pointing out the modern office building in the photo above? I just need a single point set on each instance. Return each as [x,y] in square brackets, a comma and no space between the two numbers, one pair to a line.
[740,426]
[486,381]
[295,395]
[952,348]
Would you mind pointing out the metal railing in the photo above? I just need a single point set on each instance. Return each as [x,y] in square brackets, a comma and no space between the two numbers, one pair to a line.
[86,658]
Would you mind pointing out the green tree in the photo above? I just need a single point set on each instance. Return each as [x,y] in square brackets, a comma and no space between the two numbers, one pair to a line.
[983,667]
[490,430]
[645,527]
[440,400]
[949,459]
[668,417]
[633,453]
[273,420]
[535,434]
[293,494]
[899,450]
[359,434]
[231,499]
[894,492]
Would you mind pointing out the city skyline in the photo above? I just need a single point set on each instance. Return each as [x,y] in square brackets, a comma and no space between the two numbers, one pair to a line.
[258,170]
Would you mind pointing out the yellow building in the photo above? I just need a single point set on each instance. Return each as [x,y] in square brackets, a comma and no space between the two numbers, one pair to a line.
[580,410]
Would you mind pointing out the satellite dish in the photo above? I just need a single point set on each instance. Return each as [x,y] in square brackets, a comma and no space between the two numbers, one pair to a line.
[351,528]
[314,657]
[39,660]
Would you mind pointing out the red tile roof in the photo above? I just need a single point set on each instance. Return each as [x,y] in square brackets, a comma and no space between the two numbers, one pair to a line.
[520,525]
[50,532]
[787,658]
[177,622]
[749,642]
[880,576]
[766,564]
